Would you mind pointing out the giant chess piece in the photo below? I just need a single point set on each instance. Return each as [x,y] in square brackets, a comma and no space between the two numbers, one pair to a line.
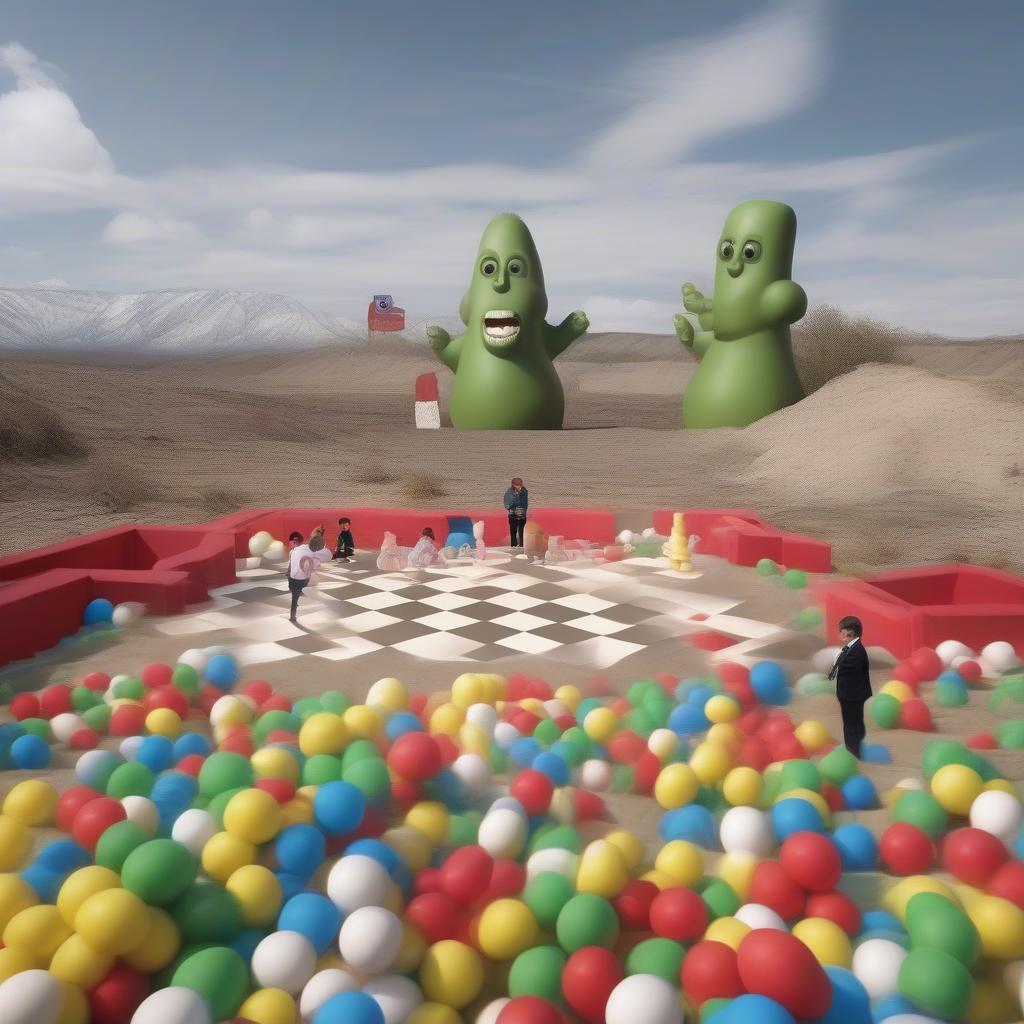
[677,547]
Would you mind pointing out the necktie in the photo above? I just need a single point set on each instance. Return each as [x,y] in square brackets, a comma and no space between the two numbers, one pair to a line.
[835,664]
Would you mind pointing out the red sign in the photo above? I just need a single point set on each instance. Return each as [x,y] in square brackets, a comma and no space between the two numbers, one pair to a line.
[383,315]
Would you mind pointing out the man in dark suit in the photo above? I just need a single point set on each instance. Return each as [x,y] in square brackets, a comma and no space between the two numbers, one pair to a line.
[853,684]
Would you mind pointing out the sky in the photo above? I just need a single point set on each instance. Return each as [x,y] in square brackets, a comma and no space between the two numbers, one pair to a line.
[330,150]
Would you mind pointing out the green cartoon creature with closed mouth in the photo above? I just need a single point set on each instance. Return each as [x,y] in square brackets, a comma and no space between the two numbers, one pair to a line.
[746,366]
[504,377]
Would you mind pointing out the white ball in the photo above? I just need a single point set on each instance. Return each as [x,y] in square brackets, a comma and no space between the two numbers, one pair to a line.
[502,833]
[275,553]
[662,740]
[92,762]
[194,658]
[649,533]
[65,725]
[508,803]
[396,996]
[370,939]
[253,562]
[555,859]
[194,828]
[821,661]
[212,652]
[643,999]
[228,705]
[596,775]
[748,830]
[912,1018]
[122,615]
[490,1013]
[175,1005]
[625,537]
[997,812]
[284,960]
[322,986]
[259,542]
[474,773]
[876,965]
[910,783]
[505,734]
[757,915]
[998,657]
[555,708]
[142,811]
[484,715]
[358,881]
[31,997]
[950,649]
[129,747]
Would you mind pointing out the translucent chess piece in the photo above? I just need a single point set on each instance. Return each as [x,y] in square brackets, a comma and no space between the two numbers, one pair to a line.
[556,550]
[478,535]
[389,559]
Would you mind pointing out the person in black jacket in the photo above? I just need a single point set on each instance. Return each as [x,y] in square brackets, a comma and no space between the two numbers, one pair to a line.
[853,684]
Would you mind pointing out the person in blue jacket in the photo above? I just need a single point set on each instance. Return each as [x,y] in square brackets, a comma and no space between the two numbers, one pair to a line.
[517,500]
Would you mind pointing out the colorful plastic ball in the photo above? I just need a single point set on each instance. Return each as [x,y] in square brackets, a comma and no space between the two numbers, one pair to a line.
[158,871]
[747,829]
[586,920]
[793,815]
[973,855]
[357,881]
[956,787]
[1008,882]
[769,683]
[771,886]
[710,971]
[590,975]
[253,815]
[313,916]
[742,786]
[676,785]
[826,940]
[644,999]
[31,801]
[322,986]
[284,960]
[692,823]
[371,939]
[30,752]
[778,965]
[95,817]
[257,892]
[221,671]
[114,921]
[529,1009]
[174,1005]
[339,807]
[811,860]
[936,982]
[506,928]
[350,1008]
[906,849]
[678,913]
[300,849]
[415,756]
[31,997]
[859,793]
[538,972]
[451,973]
[876,965]
[98,610]
[857,847]
[999,813]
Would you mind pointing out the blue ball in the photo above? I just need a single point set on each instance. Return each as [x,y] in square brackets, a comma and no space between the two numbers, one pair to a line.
[97,610]
[795,815]
[312,915]
[190,743]
[63,856]
[300,849]
[222,671]
[97,764]
[291,884]
[245,944]
[339,807]
[554,767]
[893,1006]
[156,753]
[688,719]
[693,823]
[524,750]
[46,883]
[449,789]
[752,1009]
[850,1001]
[400,723]
[699,695]
[859,793]
[769,683]
[350,1008]
[875,753]
[1018,844]
[950,675]
[174,788]
[378,851]
[857,847]
[30,751]
[880,920]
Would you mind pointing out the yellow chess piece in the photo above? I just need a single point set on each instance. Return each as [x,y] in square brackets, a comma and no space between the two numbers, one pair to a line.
[677,548]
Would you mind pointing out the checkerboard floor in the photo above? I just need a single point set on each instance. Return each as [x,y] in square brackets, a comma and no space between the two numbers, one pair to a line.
[582,614]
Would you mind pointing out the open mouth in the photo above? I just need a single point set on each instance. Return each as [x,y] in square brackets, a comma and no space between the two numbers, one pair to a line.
[501,327]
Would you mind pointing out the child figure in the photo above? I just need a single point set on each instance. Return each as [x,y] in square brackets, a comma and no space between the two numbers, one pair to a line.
[389,559]
[302,564]
[478,536]
[346,544]
[425,553]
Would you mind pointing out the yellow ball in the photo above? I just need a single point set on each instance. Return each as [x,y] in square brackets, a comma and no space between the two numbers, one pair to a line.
[431,818]
[14,961]
[956,787]
[389,694]
[826,940]
[39,930]
[78,963]
[726,735]
[258,893]
[114,921]
[410,955]
[82,884]
[683,862]
[743,786]
[897,898]
[570,696]
[812,735]
[506,928]
[1000,925]
[31,802]
[298,811]
[535,706]
[363,722]
[323,733]
[711,762]
[658,878]
[628,844]
[1004,786]
[253,815]
[451,973]
[473,739]
[600,723]
[164,722]
[729,930]
[468,689]
[663,743]
[433,1013]
[898,689]
[159,947]
[737,870]
[721,708]
[676,785]
[75,1007]
[224,854]
[275,763]
[269,1006]
[15,895]
[602,870]
[447,720]
[413,846]
[15,842]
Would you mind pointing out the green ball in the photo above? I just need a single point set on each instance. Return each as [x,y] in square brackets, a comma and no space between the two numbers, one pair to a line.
[98,718]
[838,765]
[719,898]
[885,710]
[306,708]
[218,974]
[772,787]
[623,776]
[923,810]
[658,711]
[1010,735]
[794,579]
[499,759]
[550,836]
[336,703]
[812,684]
[1008,691]
[6,692]
[320,769]
[950,694]
[273,721]
[799,774]
[186,679]
[571,752]
[82,698]
[938,753]
[538,972]
[359,750]
[159,871]
[808,618]
[577,736]
[463,829]
[936,982]
[224,770]
[639,721]
[934,922]
[129,687]
[207,913]
[130,779]
[661,957]
[38,727]
[370,776]
[767,567]
[640,690]
[117,842]
[546,894]
[547,732]
[587,920]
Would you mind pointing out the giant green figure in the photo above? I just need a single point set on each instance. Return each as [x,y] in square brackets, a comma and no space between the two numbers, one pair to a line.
[504,377]
[746,366]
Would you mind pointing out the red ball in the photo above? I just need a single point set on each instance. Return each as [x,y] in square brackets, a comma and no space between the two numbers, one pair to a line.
[157,674]
[529,1010]
[533,790]
[906,673]
[788,748]
[280,789]
[466,874]
[258,690]
[633,905]
[710,971]
[94,819]
[914,714]
[730,672]
[275,702]
[127,720]
[436,916]
[970,672]
[507,879]
[778,965]
[190,764]
[97,681]
[836,907]
[238,742]
[418,703]
[116,998]
[405,793]
[70,802]
[754,753]
[973,855]
[587,806]
[771,886]
[906,849]
[1008,883]
[427,880]
[812,861]
[626,747]
[55,700]
[448,748]
[166,697]
[588,978]
[84,739]
[926,662]
[415,756]
[751,721]
[833,796]
[678,913]
[25,705]
[981,741]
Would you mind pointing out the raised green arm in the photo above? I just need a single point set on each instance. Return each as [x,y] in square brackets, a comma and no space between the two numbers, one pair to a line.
[558,339]
[446,348]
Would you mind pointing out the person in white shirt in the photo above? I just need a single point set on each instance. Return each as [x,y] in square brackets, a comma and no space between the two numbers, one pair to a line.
[303,562]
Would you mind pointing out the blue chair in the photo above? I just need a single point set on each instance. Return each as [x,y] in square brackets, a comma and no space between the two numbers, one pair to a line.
[460,531]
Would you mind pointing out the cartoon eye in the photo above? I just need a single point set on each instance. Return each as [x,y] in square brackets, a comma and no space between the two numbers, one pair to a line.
[751,251]
[489,267]
[516,267]
[726,249]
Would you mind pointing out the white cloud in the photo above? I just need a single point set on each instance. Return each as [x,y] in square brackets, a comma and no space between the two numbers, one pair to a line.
[142,229]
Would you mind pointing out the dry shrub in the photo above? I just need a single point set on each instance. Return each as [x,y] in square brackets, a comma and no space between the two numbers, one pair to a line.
[119,487]
[422,487]
[216,500]
[376,476]
[30,432]
[829,343]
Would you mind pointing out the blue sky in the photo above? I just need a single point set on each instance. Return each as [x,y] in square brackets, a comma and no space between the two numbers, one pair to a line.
[329,150]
